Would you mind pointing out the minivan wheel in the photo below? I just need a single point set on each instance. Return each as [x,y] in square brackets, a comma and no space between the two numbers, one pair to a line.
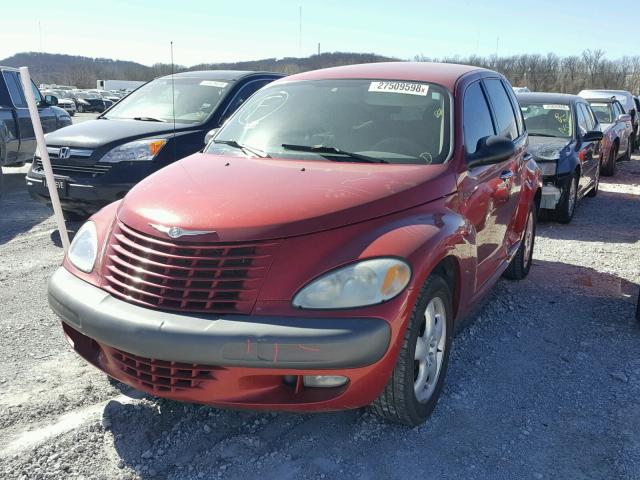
[521,263]
[416,382]
[567,205]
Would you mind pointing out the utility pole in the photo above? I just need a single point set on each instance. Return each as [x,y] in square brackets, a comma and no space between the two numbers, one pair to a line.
[318,48]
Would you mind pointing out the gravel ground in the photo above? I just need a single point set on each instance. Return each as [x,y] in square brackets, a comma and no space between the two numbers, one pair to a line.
[545,383]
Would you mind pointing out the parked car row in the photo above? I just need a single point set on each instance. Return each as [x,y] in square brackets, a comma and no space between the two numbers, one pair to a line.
[322,249]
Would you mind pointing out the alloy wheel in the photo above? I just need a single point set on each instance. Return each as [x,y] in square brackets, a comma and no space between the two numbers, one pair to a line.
[429,351]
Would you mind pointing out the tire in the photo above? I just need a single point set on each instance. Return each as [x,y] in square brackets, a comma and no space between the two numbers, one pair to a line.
[627,155]
[609,167]
[521,263]
[596,185]
[567,206]
[399,402]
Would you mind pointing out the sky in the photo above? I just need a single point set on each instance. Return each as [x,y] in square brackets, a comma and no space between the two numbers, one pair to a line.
[225,31]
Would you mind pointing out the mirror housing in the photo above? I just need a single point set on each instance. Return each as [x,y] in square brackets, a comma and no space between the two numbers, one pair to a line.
[624,117]
[593,136]
[491,150]
[210,134]
[51,100]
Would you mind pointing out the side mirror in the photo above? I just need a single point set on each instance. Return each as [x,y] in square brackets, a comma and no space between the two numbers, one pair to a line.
[51,100]
[624,117]
[491,150]
[593,136]
[210,134]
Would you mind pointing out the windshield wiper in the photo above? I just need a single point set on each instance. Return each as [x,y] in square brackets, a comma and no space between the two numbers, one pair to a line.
[149,119]
[332,151]
[543,135]
[244,148]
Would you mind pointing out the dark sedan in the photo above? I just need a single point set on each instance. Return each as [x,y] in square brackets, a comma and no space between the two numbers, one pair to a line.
[97,162]
[564,139]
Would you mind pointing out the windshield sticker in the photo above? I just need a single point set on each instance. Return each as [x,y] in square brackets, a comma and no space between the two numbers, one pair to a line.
[213,83]
[407,88]
[599,105]
[556,107]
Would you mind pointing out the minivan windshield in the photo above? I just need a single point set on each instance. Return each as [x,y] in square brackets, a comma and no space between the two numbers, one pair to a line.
[351,120]
[547,120]
[194,99]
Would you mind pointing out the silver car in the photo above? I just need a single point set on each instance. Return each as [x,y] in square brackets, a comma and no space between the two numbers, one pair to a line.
[628,104]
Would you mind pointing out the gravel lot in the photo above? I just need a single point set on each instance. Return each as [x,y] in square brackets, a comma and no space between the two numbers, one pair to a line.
[544,384]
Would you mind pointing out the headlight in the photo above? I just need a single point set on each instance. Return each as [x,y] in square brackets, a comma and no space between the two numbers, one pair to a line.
[140,150]
[363,283]
[548,168]
[84,248]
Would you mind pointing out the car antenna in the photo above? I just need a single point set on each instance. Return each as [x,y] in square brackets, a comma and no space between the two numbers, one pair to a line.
[173,103]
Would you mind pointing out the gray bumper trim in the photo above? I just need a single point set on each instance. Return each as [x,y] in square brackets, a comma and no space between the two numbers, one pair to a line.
[248,341]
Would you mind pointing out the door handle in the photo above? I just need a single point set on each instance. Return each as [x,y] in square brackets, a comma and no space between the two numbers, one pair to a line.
[506,175]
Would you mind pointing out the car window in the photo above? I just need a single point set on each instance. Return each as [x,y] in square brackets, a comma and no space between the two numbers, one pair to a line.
[245,92]
[36,94]
[477,122]
[582,122]
[547,119]
[402,122]
[604,111]
[15,89]
[505,116]
[587,115]
[516,108]
[617,110]
[184,99]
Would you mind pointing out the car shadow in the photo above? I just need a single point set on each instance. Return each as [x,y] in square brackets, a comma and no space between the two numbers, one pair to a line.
[519,348]
[20,213]
[599,219]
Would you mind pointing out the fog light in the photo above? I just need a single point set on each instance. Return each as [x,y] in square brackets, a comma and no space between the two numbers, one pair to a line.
[324,380]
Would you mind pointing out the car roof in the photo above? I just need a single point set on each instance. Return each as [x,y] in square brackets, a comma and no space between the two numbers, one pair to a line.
[544,97]
[222,74]
[601,99]
[445,74]
[9,68]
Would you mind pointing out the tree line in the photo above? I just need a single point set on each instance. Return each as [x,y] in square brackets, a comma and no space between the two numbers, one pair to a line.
[552,73]
[549,73]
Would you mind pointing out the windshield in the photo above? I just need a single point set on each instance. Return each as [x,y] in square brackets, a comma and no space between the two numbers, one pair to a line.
[603,111]
[343,120]
[195,99]
[548,120]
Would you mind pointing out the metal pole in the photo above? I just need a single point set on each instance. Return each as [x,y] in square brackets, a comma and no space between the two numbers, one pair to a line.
[44,155]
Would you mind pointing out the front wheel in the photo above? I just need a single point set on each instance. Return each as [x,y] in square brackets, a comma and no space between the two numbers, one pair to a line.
[521,263]
[415,384]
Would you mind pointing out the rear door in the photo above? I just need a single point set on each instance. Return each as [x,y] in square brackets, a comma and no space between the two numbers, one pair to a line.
[489,192]
[22,131]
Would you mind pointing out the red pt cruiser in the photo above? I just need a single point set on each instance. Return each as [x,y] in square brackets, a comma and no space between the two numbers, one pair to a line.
[321,251]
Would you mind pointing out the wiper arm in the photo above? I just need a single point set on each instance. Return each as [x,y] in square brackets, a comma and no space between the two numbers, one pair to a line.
[332,151]
[149,119]
[244,148]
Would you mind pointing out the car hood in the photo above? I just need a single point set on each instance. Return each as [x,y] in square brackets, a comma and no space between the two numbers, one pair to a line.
[547,148]
[96,133]
[256,199]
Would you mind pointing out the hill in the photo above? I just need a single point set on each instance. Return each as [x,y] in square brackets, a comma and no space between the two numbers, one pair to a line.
[84,71]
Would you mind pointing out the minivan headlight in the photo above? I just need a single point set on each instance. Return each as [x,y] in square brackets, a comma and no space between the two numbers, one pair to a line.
[367,282]
[139,150]
[84,248]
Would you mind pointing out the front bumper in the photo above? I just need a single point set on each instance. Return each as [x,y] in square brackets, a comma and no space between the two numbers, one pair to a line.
[243,341]
[88,194]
